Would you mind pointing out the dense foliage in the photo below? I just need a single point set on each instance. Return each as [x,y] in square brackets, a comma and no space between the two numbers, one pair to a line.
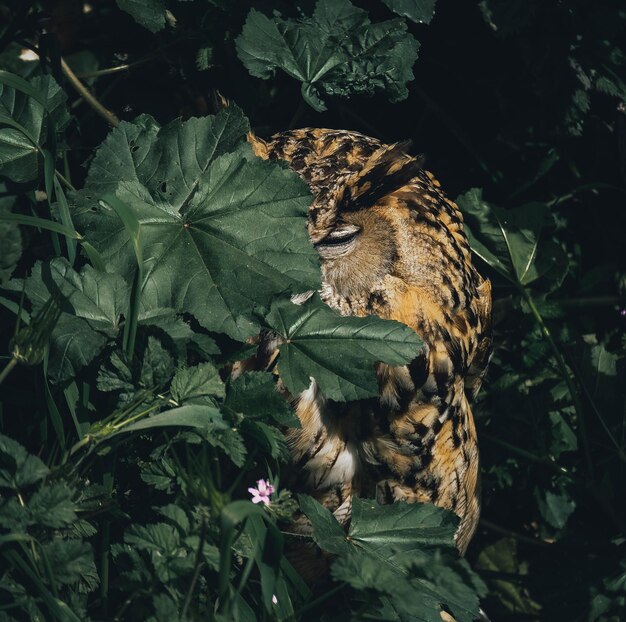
[138,261]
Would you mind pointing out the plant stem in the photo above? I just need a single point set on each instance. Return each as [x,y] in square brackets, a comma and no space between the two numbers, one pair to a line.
[7,370]
[522,452]
[196,572]
[64,181]
[567,377]
[512,534]
[110,70]
[84,92]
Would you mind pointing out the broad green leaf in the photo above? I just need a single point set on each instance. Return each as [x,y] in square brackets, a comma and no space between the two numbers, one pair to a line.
[157,365]
[337,51]
[174,332]
[327,532]
[227,439]
[169,161]
[14,518]
[92,303]
[404,552]
[555,507]
[267,438]
[407,540]
[510,240]
[73,345]
[170,556]
[17,467]
[404,527]
[420,11]
[220,237]
[53,506]
[177,516]
[72,562]
[147,373]
[339,352]
[198,381]
[115,375]
[156,537]
[207,424]
[254,395]
[192,416]
[148,13]
[97,297]
[20,158]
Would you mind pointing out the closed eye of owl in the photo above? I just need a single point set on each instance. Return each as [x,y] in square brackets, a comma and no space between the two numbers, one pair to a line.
[391,244]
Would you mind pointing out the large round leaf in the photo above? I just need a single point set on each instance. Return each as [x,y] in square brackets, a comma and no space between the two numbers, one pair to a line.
[220,237]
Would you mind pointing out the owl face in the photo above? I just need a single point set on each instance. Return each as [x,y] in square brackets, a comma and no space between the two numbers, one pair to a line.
[357,254]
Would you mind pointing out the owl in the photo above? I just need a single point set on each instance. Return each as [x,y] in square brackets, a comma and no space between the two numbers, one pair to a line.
[390,244]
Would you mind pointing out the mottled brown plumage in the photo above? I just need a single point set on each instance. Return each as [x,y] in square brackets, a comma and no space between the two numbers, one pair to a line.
[391,244]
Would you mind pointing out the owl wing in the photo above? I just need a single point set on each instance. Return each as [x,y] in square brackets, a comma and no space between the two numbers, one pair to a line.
[478,366]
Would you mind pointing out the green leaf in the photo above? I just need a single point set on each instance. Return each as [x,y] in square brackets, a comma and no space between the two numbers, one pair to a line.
[254,395]
[337,50]
[338,352]
[192,416]
[18,468]
[157,365]
[148,13]
[405,552]
[20,158]
[327,532]
[563,437]
[510,240]
[174,331]
[555,507]
[150,370]
[14,518]
[419,11]
[169,554]
[10,240]
[267,438]
[220,237]
[92,304]
[177,516]
[72,561]
[115,375]
[53,506]
[198,381]
[401,526]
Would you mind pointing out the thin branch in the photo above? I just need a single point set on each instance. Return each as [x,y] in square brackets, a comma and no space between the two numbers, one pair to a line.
[512,534]
[523,453]
[112,70]
[196,573]
[84,92]
[7,370]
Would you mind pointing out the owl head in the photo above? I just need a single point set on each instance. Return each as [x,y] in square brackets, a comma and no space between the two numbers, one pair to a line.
[378,220]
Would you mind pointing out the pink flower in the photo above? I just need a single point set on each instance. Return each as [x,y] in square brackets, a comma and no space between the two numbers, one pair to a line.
[262,493]
[274,599]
